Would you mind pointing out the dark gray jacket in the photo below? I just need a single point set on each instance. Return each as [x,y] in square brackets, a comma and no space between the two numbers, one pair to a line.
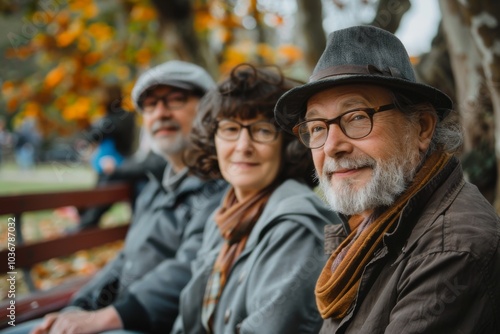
[270,288]
[438,271]
[144,281]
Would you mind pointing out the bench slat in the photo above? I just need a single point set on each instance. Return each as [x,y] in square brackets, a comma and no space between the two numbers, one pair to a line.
[36,305]
[28,255]
[15,204]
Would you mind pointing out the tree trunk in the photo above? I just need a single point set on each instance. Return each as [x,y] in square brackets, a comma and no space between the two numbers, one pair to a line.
[176,20]
[434,67]
[485,30]
[473,94]
[310,29]
[390,13]
[465,61]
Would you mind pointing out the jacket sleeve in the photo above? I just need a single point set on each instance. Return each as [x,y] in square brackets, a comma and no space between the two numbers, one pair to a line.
[156,295]
[132,169]
[444,292]
[281,283]
[102,289]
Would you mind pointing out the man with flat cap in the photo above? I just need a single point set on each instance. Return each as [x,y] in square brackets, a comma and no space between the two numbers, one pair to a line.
[138,292]
[419,246]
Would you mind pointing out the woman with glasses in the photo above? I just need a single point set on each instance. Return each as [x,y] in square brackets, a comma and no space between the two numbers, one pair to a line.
[261,251]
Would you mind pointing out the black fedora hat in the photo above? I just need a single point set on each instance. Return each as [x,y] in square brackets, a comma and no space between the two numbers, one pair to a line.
[360,54]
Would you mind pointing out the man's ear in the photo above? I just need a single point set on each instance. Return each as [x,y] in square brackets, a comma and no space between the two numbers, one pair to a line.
[427,125]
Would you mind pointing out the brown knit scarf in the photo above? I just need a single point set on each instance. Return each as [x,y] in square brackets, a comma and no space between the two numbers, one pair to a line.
[235,221]
[336,288]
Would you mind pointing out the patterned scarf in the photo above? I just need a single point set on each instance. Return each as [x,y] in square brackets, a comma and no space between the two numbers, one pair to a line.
[339,281]
[235,221]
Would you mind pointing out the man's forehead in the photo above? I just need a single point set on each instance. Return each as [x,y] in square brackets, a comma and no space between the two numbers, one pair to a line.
[349,96]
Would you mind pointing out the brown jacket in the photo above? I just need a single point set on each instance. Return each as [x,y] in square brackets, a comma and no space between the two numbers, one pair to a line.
[438,271]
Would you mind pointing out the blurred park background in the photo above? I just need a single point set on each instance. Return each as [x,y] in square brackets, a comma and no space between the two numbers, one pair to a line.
[58,57]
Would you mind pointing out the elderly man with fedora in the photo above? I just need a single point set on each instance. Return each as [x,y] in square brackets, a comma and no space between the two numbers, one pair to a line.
[418,251]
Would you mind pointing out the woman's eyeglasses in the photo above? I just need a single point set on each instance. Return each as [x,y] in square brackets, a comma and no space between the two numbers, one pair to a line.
[260,132]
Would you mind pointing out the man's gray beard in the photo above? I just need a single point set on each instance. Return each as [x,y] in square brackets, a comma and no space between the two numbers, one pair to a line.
[388,181]
[166,146]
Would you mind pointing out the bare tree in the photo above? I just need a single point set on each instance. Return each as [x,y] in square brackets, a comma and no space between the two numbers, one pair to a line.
[310,29]
[473,34]
[176,19]
[389,14]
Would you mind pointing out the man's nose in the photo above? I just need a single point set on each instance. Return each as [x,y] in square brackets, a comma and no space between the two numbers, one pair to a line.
[336,141]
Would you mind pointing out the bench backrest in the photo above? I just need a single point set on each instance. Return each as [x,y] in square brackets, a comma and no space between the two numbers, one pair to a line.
[27,255]
[22,256]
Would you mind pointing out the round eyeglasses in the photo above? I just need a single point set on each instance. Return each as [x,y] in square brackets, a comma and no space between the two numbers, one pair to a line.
[355,124]
[260,132]
[173,100]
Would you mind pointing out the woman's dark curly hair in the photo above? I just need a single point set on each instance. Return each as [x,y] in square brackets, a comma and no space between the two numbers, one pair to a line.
[248,92]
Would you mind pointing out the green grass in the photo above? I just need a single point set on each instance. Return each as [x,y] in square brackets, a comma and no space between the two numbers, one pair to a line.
[16,187]
[45,178]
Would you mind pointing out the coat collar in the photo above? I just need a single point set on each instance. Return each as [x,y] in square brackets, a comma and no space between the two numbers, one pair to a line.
[427,205]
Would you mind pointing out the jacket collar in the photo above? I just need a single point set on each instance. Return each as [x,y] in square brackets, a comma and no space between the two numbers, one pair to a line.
[428,203]
[292,201]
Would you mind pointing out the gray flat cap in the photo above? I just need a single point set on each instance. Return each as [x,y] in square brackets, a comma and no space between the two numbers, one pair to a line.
[174,73]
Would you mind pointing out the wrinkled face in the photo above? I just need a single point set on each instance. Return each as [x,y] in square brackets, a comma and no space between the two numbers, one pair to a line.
[168,115]
[359,175]
[249,166]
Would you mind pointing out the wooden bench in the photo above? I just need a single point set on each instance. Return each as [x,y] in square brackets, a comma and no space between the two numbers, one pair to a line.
[38,303]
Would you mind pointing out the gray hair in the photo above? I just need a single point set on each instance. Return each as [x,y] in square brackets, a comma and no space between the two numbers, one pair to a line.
[448,134]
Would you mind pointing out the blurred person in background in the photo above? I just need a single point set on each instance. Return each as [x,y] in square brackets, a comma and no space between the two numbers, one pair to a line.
[5,141]
[27,141]
[135,170]
[113,137]
[113,134]
[138,291]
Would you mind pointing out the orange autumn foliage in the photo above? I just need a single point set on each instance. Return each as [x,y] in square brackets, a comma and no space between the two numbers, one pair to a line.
[32,109]
[290,53]
[79,109]
[101,32]
[142,13]
[143,56]
[65,37]
[8,88]
[88,45]
[54,77]
[92,58]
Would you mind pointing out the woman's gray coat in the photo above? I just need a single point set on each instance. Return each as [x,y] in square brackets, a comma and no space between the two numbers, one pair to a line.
[270,288]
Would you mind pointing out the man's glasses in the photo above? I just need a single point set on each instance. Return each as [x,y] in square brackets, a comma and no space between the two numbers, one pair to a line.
[355,124]
[260,132]
[173,100]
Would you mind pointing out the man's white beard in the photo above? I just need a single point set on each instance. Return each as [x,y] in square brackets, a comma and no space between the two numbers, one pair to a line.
[166,146]
[389,180]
